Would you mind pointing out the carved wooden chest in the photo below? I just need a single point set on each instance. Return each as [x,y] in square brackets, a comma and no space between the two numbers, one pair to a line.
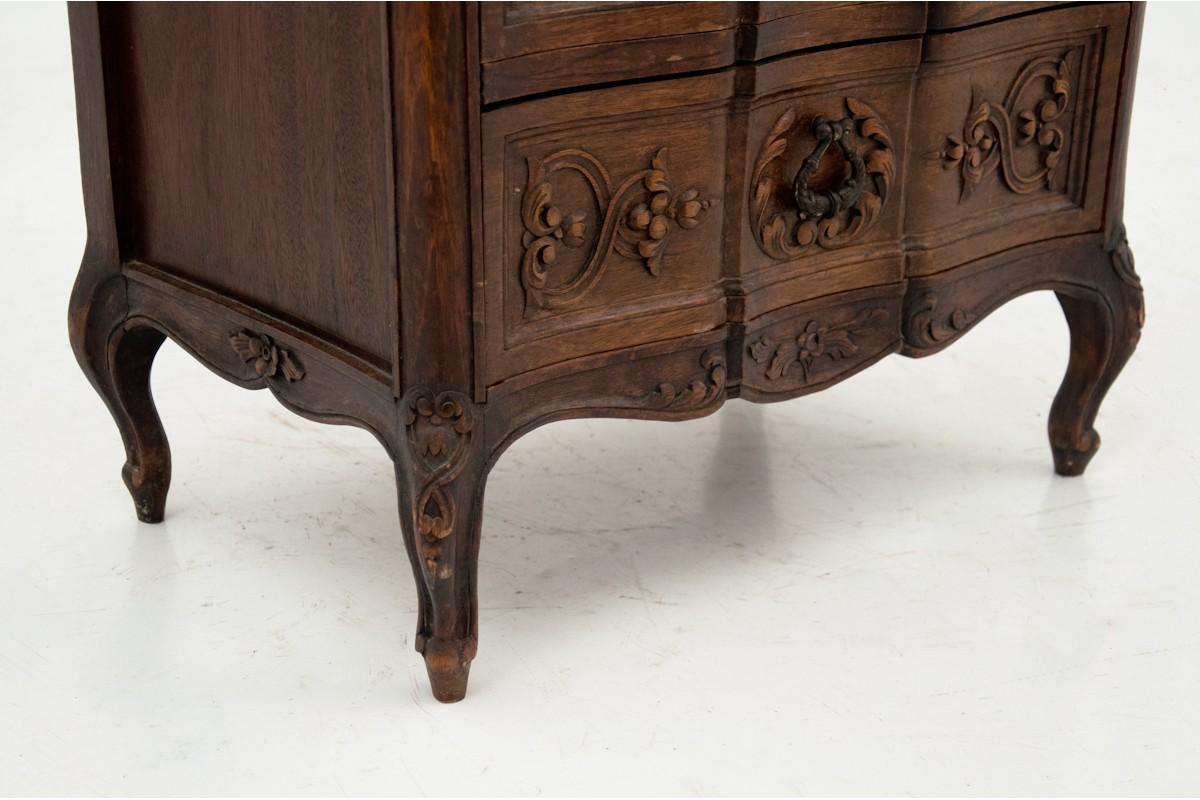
[452,223]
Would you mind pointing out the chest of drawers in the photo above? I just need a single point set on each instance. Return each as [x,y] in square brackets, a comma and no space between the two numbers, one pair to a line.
[451,223]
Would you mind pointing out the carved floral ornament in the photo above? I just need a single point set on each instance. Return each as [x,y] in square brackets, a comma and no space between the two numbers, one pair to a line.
[269,359]
[783,226]
[438,429]
[993,132]
[637,219]
[814,341]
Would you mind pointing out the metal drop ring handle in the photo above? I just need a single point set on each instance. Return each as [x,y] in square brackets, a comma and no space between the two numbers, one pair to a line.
[830,202]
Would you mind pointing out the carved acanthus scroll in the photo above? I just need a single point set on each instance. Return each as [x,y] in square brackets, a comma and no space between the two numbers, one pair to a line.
[993,132]
[927,326]
[785,231]
[697,393]
[439,430]
[636,220]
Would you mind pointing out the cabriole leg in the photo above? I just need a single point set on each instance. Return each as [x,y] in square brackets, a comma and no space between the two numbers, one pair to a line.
[440,478]
[1105,322]
[117,355]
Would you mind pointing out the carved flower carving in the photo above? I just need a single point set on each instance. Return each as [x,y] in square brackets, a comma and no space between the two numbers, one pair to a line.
[972,152]
[269,359]
[547,225]
[441,418]
[648,224]
[438,429]
[814,341]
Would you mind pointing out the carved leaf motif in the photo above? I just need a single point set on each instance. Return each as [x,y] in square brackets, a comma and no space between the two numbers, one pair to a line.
[761,349]
[245,345]
[291,370]
[697,393]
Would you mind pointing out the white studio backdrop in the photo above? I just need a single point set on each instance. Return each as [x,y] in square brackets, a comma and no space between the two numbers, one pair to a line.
[879,589]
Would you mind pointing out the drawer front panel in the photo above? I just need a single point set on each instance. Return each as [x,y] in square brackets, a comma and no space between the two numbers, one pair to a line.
[536,47]
[1012,142]
[603,230]
[960,13]
[850,227]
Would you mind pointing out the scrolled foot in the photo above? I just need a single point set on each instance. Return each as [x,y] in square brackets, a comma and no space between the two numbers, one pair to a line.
[448,662]
[1070,461]
[148,487]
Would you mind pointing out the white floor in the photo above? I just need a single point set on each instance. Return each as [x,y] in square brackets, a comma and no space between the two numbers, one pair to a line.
[879,589]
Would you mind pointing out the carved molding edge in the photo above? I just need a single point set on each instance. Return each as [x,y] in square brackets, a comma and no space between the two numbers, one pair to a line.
[637,218]
[269,358]
[928,327]
[438,430]
[812,342]
[697,393]
[781,231]
[993,131]
[1121,258]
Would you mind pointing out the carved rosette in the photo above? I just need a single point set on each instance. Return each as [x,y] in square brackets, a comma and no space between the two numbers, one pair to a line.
[696,394]
[269,359]
[993,132]
[638,217]
[814,341]
[927,326]
[780,228]
[439,432]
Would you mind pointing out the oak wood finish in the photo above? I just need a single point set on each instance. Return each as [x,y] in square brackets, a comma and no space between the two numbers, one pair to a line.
[451,223]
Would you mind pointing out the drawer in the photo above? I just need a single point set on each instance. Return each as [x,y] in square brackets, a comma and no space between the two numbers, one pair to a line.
[961,13]
[1012,140]
[786,254]
[619,217]
[603,229]
[536,47]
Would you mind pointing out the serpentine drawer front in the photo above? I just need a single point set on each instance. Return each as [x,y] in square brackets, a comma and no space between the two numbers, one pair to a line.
[451,223]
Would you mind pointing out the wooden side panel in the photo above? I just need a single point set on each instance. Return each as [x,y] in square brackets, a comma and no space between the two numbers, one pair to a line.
[253,150]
